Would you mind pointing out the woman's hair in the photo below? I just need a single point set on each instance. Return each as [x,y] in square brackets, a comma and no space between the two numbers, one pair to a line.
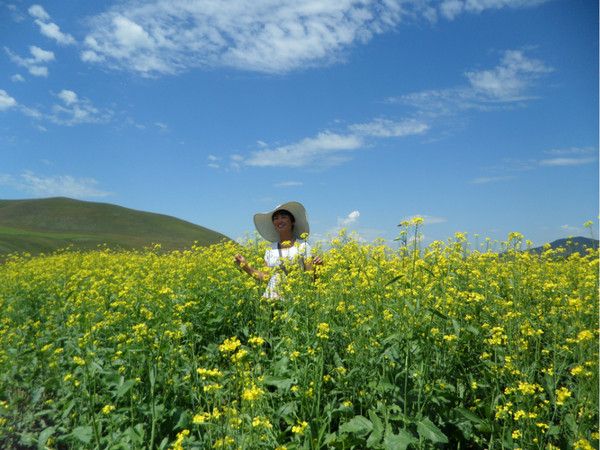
[285,212]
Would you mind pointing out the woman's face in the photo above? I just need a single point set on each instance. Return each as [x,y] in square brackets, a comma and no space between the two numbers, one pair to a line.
[282,222]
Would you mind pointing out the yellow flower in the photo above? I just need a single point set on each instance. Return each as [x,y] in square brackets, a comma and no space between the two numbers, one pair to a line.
[252,393]
[256,341]
[323,330]
[79,361]
[107,409]
[299,428]
[562,394]
[230,345]
[516,434]
[201,418]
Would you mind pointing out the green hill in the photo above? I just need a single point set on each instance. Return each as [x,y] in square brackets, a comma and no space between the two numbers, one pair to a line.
[45,225]
[570,245]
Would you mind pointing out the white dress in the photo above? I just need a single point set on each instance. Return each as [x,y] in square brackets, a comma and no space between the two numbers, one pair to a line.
[275,257]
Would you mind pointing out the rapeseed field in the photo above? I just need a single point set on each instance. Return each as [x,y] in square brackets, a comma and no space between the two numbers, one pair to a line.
[447,346]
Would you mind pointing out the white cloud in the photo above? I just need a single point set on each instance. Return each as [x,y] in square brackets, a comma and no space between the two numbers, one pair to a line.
[387,128]
[167,36]
[51,186]
[6,101]
[486,180]
[571,151]
[75,110]
[561,162]
[507,83]
[328,148]
[289,184]
[325,149]
[213,158]
[48,28]
[38,12]
[450,9]
[509,80]
[349,219]
[158,37]
[17,78]
[52,31]
[36,65]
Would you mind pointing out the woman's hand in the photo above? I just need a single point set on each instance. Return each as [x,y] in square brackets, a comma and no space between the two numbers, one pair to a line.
[317,261]
[240,260]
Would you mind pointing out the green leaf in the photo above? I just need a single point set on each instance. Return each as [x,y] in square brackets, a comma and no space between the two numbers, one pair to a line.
[125,387]
[427,430]
[393,280]
[287,410]
[358,425]
[43,437]
[83,434]
[466,414]
[377,433]
[398,441]
[278,382]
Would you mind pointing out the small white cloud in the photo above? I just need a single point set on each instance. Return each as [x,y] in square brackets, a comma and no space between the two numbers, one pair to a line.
[38,12]
[510,78]
[53,31]
[51,186]
[571,151]
[41,55]
[69,97]
[486,180]
[564,162]
[75,110]
[17,78]
[214,166]
[285,184]
[48,28]
[213,158]
[349,219]
[36,65]
[6,101]
[325,149]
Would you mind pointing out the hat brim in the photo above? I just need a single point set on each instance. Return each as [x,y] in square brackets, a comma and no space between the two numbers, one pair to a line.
[264,223]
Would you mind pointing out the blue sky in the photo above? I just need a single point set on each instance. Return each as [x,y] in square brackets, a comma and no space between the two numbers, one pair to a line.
[479,115]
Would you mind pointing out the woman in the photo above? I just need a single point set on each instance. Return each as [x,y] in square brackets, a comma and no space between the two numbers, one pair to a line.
[283,227]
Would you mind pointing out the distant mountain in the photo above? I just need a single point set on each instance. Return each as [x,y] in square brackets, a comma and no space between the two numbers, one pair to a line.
[45,225]
[571,245]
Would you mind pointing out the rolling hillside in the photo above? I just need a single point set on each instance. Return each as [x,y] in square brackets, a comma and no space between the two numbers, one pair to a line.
[45,225]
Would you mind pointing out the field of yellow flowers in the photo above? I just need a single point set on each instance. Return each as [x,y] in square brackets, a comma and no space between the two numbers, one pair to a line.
[437,347]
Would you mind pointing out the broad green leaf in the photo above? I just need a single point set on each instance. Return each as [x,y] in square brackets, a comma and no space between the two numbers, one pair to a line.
[83,434]
[377,433]
[43,437]
[358,425]
[278,382]
[398,441]
[125,387]
[427,430]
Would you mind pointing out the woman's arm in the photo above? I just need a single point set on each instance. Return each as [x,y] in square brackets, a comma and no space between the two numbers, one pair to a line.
[310,263]
[243,264]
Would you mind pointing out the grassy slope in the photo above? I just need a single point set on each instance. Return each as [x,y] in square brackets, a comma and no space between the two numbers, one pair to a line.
[49,224]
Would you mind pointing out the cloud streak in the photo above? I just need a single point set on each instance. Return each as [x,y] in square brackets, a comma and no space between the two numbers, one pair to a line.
[507,83]
[51,186]
[328,149]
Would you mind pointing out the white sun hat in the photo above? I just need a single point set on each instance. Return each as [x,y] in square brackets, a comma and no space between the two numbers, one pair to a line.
[264,222]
